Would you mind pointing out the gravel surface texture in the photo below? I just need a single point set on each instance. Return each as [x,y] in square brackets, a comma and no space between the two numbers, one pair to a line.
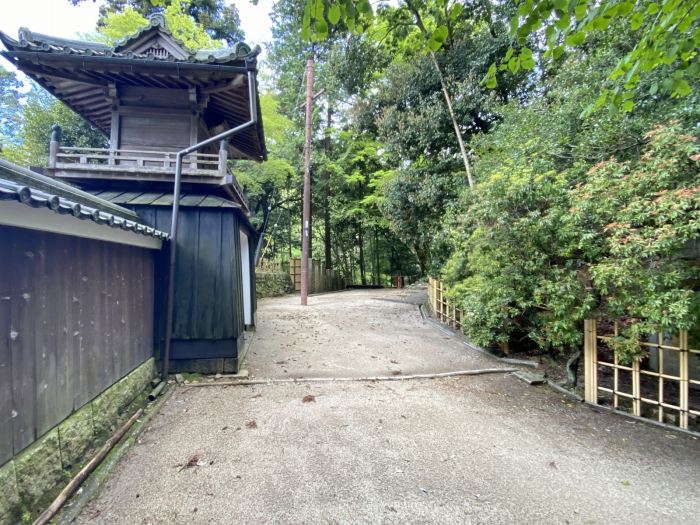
[356,333]
[481,449]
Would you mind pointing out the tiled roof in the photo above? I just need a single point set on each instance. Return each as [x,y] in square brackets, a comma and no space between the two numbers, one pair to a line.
[30,41]
[16,184]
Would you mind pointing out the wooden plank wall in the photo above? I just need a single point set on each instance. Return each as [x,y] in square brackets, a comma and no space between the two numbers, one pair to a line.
[208,298]
[76,315]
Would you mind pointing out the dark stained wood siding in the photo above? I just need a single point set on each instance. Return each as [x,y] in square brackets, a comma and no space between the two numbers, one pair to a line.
[208,292]
[152,132]
[76,315]
[154,119]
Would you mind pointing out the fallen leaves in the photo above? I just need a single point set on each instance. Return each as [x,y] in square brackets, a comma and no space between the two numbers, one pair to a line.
[194,460]
[308,398]
[251,424]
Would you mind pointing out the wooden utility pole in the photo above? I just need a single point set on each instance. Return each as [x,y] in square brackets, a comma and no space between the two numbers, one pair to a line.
[306,216]
[327,190]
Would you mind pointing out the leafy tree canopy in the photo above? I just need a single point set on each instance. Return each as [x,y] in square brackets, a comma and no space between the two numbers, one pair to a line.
[668,39]
[116,25]
[218,18]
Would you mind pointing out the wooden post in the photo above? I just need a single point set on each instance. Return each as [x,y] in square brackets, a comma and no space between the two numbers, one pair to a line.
[636,388]
[306,216]
[54,145]
[590,358]
[684,374]
[223,159]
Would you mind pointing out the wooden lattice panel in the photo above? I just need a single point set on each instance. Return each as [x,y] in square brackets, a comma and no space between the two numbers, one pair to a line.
[664,384]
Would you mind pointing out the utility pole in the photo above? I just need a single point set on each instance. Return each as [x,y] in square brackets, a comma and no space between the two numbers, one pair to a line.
[306,217]
[327,190]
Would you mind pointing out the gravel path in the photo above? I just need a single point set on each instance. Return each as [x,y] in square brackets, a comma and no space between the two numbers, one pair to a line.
[357,333]
[486,449]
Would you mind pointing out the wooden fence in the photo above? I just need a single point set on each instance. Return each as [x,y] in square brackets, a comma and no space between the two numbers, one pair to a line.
[320,279]
[76,315]
[443,310]
[664,384]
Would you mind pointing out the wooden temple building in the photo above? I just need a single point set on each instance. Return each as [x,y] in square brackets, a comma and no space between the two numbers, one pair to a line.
[151,97]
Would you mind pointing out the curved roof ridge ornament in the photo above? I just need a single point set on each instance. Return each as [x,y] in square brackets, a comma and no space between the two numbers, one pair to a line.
[158,19]
[25,35]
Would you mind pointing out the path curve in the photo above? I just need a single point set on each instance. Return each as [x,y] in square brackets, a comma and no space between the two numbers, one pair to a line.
[483,449]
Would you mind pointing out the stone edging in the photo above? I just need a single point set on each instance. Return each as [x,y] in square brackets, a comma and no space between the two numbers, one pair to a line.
[32,478]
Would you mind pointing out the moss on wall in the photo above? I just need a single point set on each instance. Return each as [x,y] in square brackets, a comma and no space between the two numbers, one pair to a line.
[270,284]
[30,480]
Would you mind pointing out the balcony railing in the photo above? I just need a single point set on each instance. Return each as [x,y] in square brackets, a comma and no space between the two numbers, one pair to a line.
[124,161]
[142,165]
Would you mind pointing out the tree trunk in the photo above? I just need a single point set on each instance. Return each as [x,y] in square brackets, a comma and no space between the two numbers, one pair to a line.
[422,257]
[376,258]
[455,125]
[360,240]
[445,92]
[572,369]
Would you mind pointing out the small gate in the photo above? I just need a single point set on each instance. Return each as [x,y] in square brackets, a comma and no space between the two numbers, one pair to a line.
[663,385]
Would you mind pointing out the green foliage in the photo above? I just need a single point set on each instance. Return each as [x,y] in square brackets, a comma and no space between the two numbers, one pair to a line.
[117,25]
[640,219]
[265,182]
[219,18]
[10,117]
[538,253]
[502,269]
[39,113]
[668,39]
[576,212]
[415,201]
[435,20]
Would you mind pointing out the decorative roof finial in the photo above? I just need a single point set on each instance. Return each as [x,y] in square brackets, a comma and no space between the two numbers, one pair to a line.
[25,35]
[158,19]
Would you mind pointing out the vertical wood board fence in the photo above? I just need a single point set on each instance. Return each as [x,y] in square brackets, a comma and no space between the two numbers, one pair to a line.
[320,279]
[663,385]
[76,316]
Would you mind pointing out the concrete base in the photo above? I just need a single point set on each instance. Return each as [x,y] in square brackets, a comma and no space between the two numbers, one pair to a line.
[204,366]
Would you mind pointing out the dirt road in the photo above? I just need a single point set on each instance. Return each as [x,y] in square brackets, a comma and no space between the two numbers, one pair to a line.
[486,449]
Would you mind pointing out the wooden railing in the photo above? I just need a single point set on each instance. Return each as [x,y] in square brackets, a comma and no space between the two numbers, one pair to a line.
[443,310]
[664,384]
[136,161]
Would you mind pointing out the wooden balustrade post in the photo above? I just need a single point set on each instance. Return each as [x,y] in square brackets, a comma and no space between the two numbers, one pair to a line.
[223,159]
[54,145]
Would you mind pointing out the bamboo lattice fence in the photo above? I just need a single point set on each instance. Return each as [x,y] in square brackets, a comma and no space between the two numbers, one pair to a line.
[443,310]
[663,385]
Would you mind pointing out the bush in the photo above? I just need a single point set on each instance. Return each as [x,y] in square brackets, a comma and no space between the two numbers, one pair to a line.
[537,253]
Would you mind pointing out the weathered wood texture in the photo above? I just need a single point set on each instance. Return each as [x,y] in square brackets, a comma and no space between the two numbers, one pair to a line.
[76,315]
[320,279]
[208,302]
